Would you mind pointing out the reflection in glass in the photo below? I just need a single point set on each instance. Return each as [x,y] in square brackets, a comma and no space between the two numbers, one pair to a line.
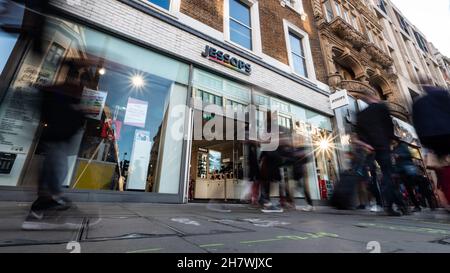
[128,97]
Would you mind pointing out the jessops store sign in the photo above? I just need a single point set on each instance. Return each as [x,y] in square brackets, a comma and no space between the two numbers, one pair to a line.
[227,60]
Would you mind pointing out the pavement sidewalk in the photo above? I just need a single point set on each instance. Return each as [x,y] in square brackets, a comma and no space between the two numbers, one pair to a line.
[192,228]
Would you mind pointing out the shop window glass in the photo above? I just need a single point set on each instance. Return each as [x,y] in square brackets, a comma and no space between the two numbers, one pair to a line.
[128,95]
[7,43]
[11,19]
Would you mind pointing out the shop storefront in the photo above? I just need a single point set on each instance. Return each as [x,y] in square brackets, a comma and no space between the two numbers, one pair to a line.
[219,168]
[134,91]
[131,89]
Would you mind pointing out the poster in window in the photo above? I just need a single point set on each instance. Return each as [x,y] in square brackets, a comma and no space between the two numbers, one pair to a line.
[93,103]
[140,159]
[136,113]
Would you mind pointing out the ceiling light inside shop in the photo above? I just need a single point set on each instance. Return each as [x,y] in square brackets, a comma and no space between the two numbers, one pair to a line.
[137,81]
[102,71]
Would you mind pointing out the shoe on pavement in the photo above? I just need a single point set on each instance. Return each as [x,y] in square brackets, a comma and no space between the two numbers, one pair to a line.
[416,209]
[375,208]
[217,208]
[361,207]
[51,203]
[39,220]
[289,206]
[270,208]
[306,208]
[392,212]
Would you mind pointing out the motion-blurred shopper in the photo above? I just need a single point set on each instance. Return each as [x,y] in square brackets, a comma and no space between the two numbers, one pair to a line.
[57,133]
[431,117]
[375,128]
[407,171]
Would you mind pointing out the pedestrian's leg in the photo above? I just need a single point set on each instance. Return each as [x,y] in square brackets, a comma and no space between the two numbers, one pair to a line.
[307,193]
[390,195]
[373,181]
[409,184]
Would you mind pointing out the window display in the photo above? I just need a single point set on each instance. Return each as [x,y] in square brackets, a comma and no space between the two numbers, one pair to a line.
[127,99]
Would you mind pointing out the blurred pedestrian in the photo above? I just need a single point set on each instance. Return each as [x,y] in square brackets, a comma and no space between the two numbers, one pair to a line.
[62,117]
[407,171]
[431,117]
[375,128]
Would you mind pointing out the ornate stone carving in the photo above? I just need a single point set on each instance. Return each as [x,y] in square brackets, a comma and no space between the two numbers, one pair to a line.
[357,88]
[347,32]
[398,110]
[334,80]
[377,55]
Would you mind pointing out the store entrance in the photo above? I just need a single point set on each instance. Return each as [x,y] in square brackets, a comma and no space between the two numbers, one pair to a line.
[217,170]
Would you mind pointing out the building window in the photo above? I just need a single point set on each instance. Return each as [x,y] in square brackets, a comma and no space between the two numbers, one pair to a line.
[298,54]
[240,24]
[328,11]
[382,5]
[236,106]
[421,42]
[296,5]
[280,106]
[370,36]
[402,23]
[161,3]
[209,98]
[355,23]
[284,122]
[338,9]
[346,17]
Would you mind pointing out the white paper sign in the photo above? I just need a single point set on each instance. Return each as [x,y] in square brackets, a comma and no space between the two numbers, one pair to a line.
[140,159]
[339,99]
[136,113]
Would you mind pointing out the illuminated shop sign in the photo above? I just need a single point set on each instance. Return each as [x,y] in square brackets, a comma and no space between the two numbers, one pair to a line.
[227,60]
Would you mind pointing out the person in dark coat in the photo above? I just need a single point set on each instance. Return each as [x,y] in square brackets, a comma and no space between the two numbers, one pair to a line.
[375,127]
[431,118]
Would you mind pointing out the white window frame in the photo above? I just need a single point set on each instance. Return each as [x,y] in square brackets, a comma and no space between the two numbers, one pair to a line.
[297,6]
[310,71]
[255,25]
[174,7]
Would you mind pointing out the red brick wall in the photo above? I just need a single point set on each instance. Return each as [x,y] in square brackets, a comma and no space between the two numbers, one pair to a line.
[209,12]
[273,37]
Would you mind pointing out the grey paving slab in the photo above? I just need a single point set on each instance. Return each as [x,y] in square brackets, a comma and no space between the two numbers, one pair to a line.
[190,225]
[127,227]
[173,244]
[276,242]
[11,233]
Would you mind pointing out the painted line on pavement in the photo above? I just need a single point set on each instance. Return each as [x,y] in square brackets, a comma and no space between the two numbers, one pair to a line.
[211,245]
[406,228]
[145,250]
